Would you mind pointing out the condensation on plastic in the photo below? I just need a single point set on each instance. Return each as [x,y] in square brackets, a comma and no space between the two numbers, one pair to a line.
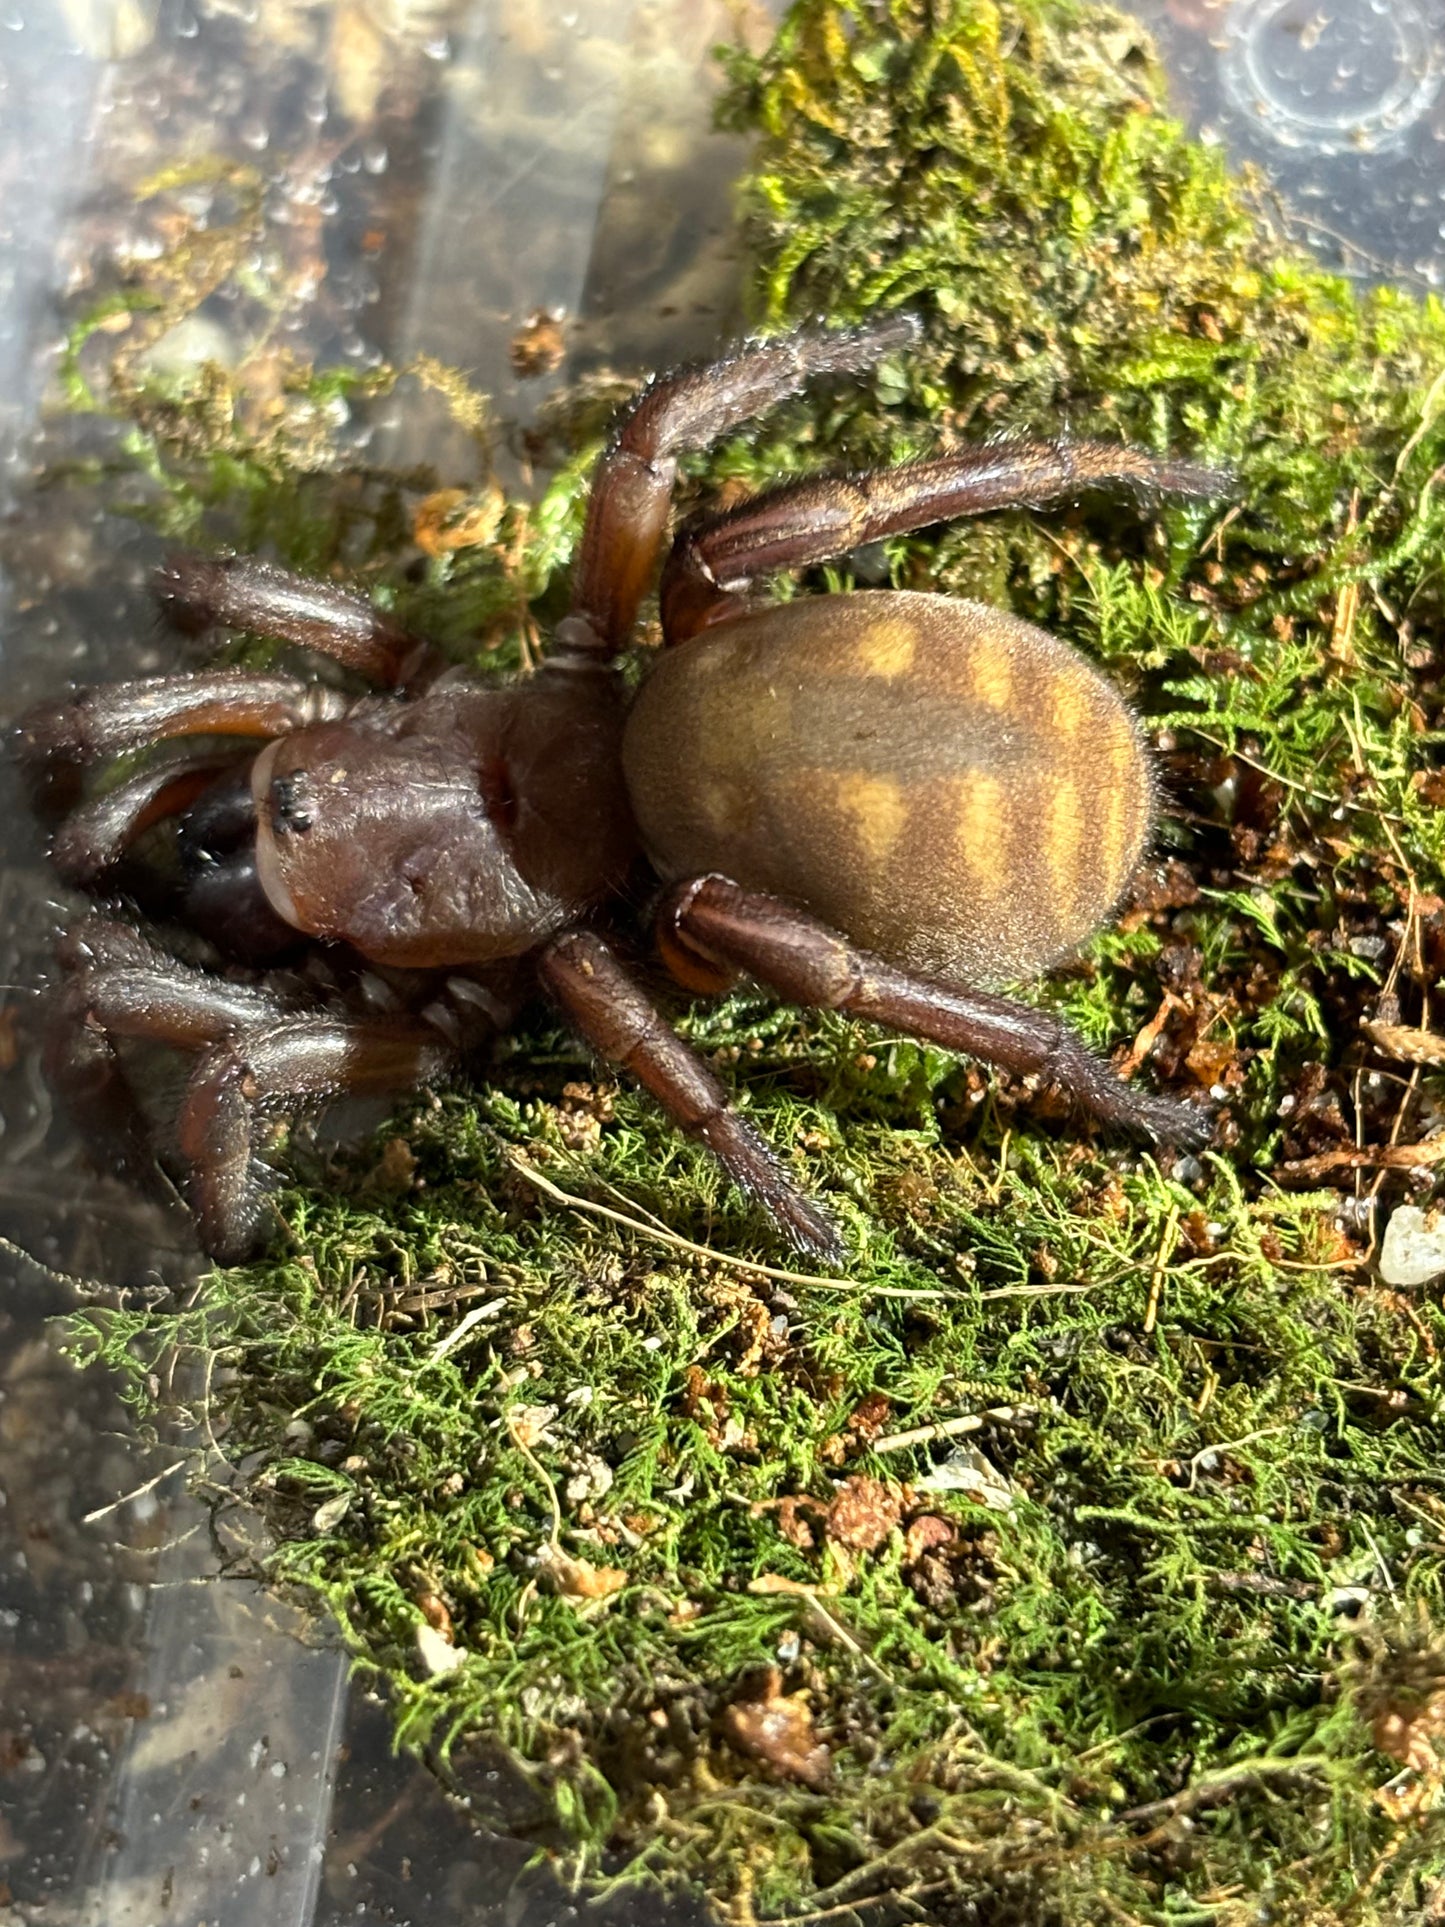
[1340,102]
[515,156]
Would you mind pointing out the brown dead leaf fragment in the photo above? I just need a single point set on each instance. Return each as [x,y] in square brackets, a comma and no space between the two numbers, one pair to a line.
[433,1609]
[1398,1686]
[1409,1735]
[702,1399]
[864,1513]
[1385,1157]
[776,1729]
[579,1579]
[925,1533]
[538,346]
[1409,1045]
[1148,1036]
[792,1525]
[753,1339]
[949,1568]
[1415,1737]
[1161,886]
[584,1109]
[455,518]
[869,1416]
[863,1424]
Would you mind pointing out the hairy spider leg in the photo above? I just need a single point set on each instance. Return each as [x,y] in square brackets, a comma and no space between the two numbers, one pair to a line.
[110,718]
[807,963]
[690,408]
[625,1027]
[197,593]
[803,523]
[283,1068]
[95,836]
[258,1056]
[119,986]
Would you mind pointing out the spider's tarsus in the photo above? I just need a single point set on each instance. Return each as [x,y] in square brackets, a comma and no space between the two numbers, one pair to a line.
[44,734]
[1195,481]
[753,1166]
[1168,1121]
[809,1229]
[835,351]
[1175,1124]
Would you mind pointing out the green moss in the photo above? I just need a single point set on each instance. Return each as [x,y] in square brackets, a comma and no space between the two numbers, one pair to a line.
[1121,1691]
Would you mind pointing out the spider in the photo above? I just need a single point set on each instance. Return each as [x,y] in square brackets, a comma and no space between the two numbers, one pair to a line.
[885,803]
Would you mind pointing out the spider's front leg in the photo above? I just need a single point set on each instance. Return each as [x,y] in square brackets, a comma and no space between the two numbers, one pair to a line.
[717,925]
[54,740]
[285,1068]
[107,719]
[628,508]
[197,593]
[626,1028]
[259,1057]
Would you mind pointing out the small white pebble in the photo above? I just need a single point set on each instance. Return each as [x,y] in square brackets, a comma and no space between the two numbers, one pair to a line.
[436,1654]
[1412,1251]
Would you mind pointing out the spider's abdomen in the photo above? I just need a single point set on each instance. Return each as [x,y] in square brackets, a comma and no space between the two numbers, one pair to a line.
[950,786]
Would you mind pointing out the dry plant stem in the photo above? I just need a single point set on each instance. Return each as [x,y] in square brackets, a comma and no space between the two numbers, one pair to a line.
[657,1235]
[1219,1787]
[953,1428]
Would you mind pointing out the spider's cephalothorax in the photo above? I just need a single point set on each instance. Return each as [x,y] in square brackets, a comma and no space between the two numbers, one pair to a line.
[883,803]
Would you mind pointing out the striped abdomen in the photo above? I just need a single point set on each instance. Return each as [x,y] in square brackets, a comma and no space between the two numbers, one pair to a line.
[950,786]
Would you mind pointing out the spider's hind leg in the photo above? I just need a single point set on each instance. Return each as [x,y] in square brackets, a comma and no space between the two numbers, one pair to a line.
[808,963]
[716,561]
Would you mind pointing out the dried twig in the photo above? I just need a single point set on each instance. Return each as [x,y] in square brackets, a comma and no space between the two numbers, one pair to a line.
[1367,1157]
[678,1243]
[1219,1787]
[953,1428]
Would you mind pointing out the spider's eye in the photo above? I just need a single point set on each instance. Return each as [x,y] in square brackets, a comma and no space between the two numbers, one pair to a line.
[288,805]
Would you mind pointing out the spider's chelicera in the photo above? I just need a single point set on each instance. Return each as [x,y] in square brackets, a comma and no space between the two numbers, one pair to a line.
[880,803]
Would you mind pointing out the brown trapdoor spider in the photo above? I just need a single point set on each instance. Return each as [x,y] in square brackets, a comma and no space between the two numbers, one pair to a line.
[878,803]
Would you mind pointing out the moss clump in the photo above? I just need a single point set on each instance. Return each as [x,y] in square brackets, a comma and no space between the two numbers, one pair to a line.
[1008,1576]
